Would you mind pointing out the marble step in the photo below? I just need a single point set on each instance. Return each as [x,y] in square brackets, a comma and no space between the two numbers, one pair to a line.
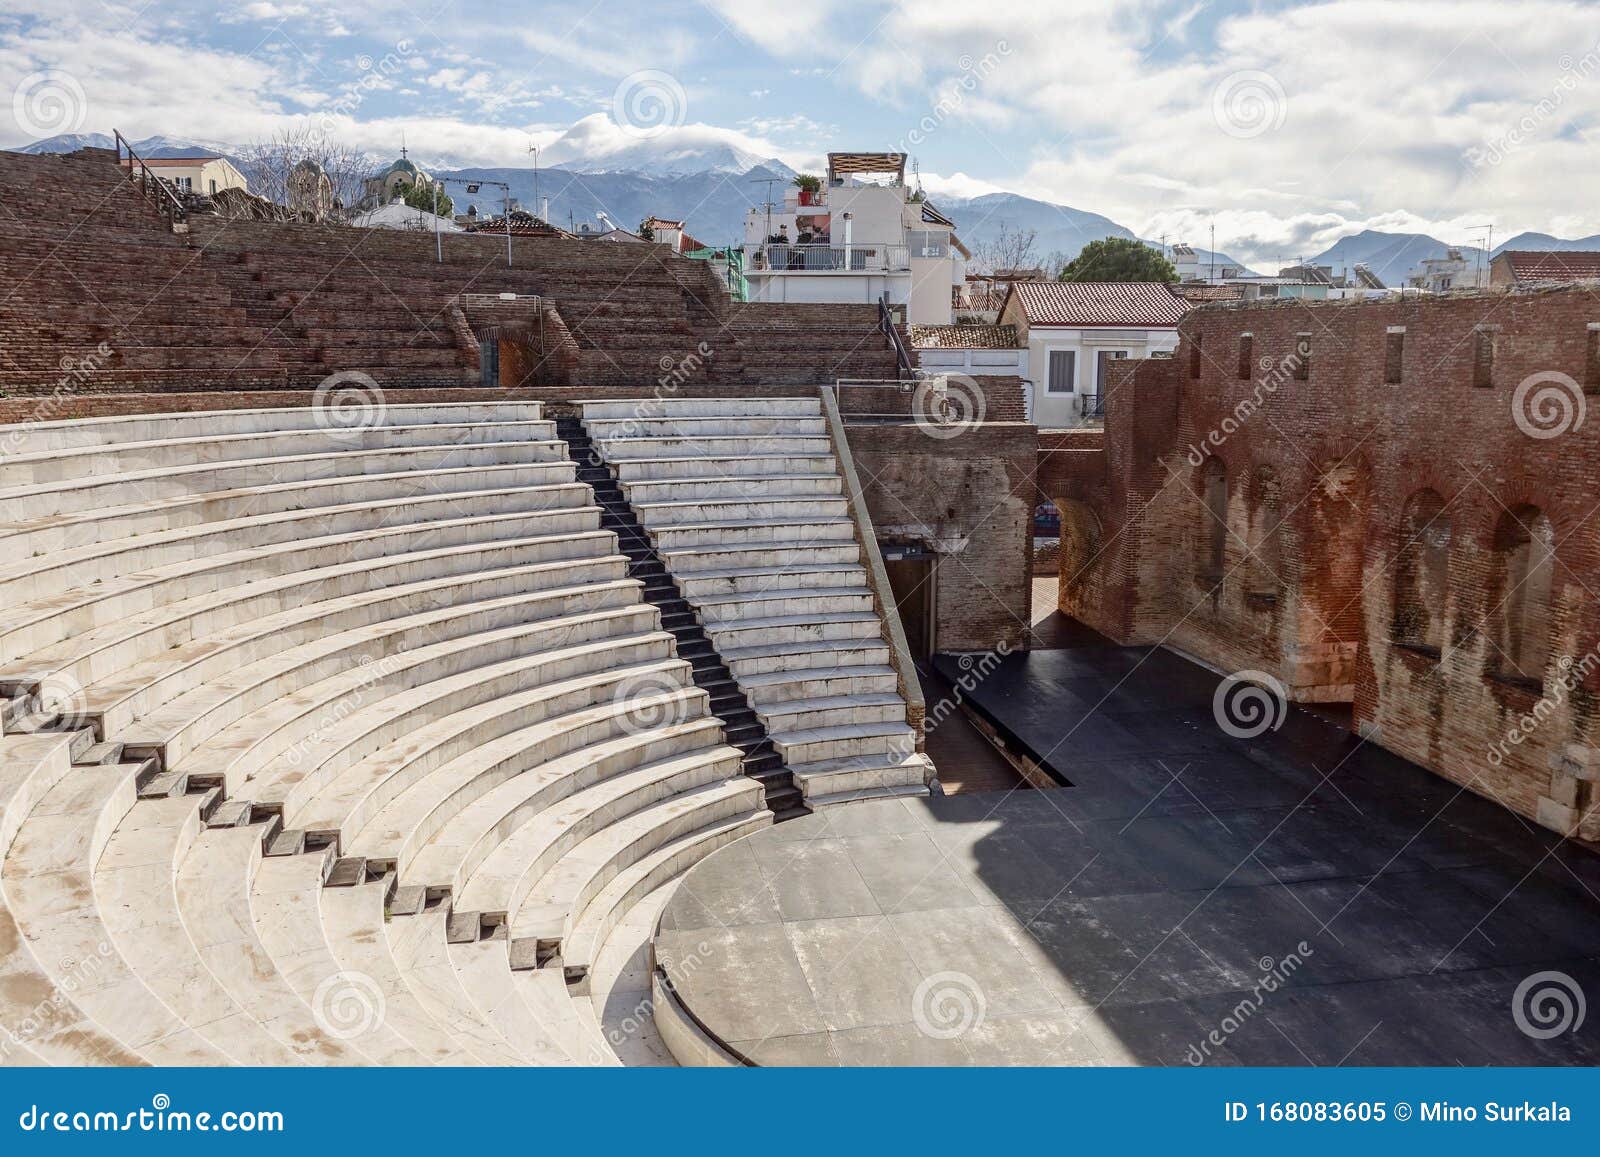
[823,485]
[135,888]
[105,491]
[40,437]
[544,819]
[694,407]
[785,685]
[288,749]
[724,466]
[47,466]
[824,744]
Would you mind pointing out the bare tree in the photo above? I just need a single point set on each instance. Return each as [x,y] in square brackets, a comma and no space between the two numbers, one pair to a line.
[1008,249]
[270,165]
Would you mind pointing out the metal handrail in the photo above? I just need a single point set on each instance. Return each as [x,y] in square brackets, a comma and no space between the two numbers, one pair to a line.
[814,257]
[902,356]
[165,197]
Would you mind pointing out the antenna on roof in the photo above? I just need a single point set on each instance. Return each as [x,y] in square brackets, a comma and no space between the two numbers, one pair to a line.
[402,144]
[768,203]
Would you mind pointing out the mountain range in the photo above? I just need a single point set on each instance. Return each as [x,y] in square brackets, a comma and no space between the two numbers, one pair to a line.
[713,189]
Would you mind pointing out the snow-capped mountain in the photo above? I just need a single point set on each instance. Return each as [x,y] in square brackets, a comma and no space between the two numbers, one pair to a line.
[160,146]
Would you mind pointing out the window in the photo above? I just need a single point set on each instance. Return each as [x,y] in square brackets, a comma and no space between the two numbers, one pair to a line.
[1195,346]
[1302,357]
[1421,574]
[213,188]
[1591,361]
[1247,356]
[1063,371]
[1524,557]
[1394,355]
[185,184]
[1265,540]
[1214,519]
[1483,358]
[1103,369]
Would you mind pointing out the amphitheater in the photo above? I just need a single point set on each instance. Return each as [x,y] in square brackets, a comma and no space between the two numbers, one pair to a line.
[568,718]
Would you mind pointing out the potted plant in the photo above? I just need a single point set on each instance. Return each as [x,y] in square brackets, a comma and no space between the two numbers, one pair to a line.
[810,186]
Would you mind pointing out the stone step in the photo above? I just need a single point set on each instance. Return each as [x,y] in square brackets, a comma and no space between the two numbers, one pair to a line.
[790,683]
[693,407]
[724,610]
[789,716]
[50,466]
[39,437]
[659,516]
[708,426]
[822,744]
[753,487]
[723,466]
[844,780]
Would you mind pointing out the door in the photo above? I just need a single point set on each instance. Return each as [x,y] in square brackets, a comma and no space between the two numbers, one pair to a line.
[911,587]
[489,358]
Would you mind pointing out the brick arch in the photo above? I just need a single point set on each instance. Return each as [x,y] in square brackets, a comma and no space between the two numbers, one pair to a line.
[1330,622]
[1419,609]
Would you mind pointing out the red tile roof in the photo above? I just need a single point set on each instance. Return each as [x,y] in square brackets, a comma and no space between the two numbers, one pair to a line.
[1099,303]
[1552,265]
[964,337]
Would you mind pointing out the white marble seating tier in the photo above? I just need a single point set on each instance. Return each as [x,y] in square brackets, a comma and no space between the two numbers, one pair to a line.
[262,674]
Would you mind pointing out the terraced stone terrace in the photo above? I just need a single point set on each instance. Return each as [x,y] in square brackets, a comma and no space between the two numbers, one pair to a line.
[368,744]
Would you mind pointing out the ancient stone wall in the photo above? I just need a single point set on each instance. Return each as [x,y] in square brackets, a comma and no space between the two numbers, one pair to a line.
[1386,503]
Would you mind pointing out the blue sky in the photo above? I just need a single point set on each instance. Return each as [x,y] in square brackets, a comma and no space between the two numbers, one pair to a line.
[1285,124]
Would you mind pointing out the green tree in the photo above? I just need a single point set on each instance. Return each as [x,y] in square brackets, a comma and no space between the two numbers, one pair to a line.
[647,231]
[420,198]
[1119,259]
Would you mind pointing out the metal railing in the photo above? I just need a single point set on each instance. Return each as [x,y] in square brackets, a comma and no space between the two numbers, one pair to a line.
[902,356]
[1092,405]
[151,183]
[814,258]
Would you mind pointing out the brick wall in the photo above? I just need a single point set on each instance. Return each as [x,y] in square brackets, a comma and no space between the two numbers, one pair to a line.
[970,498]
[1345,414]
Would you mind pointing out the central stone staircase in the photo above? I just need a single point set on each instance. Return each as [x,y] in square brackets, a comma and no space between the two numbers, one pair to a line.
[744,502]
[744,728]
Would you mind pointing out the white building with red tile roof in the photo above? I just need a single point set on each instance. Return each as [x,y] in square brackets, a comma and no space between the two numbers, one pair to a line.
[1074,329]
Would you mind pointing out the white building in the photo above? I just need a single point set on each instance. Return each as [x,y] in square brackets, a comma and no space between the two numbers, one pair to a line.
[1073,329]
[399,215]
[1452,272]
[861,236]
[204,175]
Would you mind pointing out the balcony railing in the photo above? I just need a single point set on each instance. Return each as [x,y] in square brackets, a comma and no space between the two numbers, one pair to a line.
[1093,405]
[828,258]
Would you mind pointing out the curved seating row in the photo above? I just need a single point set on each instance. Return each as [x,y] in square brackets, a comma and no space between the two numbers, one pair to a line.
[328,744]
[744,502]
